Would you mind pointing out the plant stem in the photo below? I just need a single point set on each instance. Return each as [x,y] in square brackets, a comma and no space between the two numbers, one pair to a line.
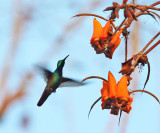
[150,42]
[156,3]
[119,26]
[93,105]
[153,8]
[95,15]
[145,92]
[142,51]
[126,47]
[140,13]
[91,78]
[150,49]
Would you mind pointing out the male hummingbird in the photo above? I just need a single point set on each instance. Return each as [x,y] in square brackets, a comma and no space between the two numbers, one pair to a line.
[54,79]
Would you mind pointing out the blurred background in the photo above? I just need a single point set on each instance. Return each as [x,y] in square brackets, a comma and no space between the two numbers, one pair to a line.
[42,32]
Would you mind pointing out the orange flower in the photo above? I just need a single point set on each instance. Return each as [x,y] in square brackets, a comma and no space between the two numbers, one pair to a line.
[104,90]
[105,30]
[123,95]
[122,91]
[116,96]
[114,43]
[97,30]
[105,97]
[112,85]
[102,40]
[115,39]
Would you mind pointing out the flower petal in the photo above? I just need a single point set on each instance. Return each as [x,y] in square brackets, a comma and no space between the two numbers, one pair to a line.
[105,30]
[127,107]
[115,38]
[114,48]
[104,90]
[122,90]
[97,30]
[112,85]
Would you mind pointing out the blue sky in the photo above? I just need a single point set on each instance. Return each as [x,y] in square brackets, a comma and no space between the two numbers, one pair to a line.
[67,110]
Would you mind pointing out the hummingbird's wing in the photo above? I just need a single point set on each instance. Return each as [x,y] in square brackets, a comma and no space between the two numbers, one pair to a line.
[46,73]
[43,98]
[68,82]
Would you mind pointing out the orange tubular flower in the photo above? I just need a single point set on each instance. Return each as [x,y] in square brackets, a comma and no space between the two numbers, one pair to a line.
[97,30]
[115,39]
[104,91]
[105,97]
[102,40]
[116,96]
[114,43]
[105,30]
[122,91]
[123,95]
[112,85]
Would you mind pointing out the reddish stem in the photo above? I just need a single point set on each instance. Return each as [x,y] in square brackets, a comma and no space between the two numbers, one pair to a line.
[150,49]
[122,23]
[153,8]
[126,47]
[95,15]
[140,13]
[156,3]
[142,51]
[150,42]
[97,77]
[145,92]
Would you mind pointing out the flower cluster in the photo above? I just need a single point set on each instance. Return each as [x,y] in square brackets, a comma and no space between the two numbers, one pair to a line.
[103,40]
[115,96]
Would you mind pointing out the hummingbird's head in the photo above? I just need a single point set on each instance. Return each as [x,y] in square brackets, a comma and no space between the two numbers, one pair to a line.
[61,63]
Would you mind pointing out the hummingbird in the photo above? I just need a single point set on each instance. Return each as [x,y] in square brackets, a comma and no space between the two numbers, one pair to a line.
[54,80]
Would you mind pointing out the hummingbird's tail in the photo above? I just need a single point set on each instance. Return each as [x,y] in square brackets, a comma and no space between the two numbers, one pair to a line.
[43,98]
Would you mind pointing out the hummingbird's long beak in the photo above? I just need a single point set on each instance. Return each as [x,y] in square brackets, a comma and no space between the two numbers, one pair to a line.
[65,58]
